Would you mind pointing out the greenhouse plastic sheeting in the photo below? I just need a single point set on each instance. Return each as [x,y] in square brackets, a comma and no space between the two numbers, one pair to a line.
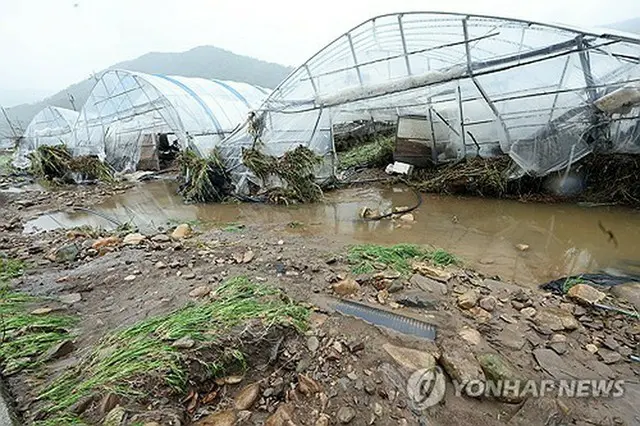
[545,95]
[51,126]
[126,106]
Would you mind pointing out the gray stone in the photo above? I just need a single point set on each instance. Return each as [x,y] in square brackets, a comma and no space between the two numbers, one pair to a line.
[410,359]
[511,337]
[497,368]
[70,299]
[346,414]
[428,285]
[115,417]
[585,294]
[313,344]
[468,299]
[396,286]
[67,253]
[416,299]
[552,319]
[459,362]
[184,342]
[609,357]
[60,350]
[488,303]
[161,238]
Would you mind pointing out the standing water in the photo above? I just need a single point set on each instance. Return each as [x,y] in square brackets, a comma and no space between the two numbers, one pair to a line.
[562,239]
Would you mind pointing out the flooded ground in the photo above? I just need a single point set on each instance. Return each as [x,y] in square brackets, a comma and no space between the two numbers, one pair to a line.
[563,239]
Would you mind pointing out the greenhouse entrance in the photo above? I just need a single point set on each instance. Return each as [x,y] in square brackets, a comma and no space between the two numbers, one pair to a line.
[157,151]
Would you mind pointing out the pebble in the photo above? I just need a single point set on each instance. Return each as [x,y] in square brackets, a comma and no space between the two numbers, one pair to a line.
[488,303]
[590,347]
[585,294]
[247,397]
[189,276]
[184,342]
[609,357]
[181,231]
[70,299]
[346,287]
[468,299]
[313,344]
[346,414]
[161,238]
[200,291]
[130,277]
[529,312]
[161,265]
[470,335]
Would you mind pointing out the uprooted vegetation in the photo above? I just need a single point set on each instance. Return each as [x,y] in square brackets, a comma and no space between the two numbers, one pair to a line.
[293,172]
[56,163]
[203,179]
[214,336]
[377,153]
[367,258]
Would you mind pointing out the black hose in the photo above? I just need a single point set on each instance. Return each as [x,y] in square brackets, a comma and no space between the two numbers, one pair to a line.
[399,212]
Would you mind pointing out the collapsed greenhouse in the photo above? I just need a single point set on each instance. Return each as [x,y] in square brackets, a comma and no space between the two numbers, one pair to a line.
[136,121]
[457,86]
[51,126]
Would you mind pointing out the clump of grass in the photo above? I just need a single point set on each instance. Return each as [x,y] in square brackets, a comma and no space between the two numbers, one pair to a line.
[50,162]
[127,359]
[295,169]
[570,282]
[90,167]
[5,165]
[233,227]
[364,257]
[374,154]
[203,179]
[25,336]
[443,258]
[10,268]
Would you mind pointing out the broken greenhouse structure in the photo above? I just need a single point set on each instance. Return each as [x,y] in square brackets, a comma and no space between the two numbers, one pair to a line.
[545,95]
[132,119]
[51,126]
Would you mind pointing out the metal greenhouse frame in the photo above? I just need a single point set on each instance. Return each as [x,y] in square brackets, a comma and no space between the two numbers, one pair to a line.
[546,95]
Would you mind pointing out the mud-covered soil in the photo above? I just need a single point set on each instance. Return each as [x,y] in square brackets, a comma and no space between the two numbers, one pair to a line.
[341,371]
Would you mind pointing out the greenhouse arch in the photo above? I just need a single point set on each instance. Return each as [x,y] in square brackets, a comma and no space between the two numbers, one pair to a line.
[545,95]
[51,126]
[130,118]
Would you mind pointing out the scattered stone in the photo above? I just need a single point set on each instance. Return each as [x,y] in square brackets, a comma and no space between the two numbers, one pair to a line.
[511,337]
[416,299]
[557,368]
[428,285]
[585,294]
[624,351]
[609,357]
[554,319]
[507,319]
[411,359]
[590,347]
[407,217]
[307,386]
[181,231]
[105,242]
[352,376]
[133,239]
[382,296]
[161,265]
[200,291]
[346,287]
[66,253]
[59,350]
[558,343]
[470,335]
[221,418]
[323,420]
[115,417]
[459,363]
[480,314]
[610,343]
[496,368]
[377,409]
[423,268]
[130,278]
[488,303]
[108,403]
[468,299]
[248,256]
[70,299]
[161,238]
[396,286]
[247,397]
[189,276]
[346,414]
[281,417]
[313,344]
[528,312]
[41,311]
[243,417]
[522,247]
[184,342]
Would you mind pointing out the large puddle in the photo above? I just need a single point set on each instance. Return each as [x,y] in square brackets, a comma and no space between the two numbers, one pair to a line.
[563,239]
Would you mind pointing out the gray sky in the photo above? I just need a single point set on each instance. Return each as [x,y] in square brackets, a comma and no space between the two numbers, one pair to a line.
[49,44]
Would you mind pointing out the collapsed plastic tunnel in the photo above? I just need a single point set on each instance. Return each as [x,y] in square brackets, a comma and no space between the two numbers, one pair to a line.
[128,116]
[543,94]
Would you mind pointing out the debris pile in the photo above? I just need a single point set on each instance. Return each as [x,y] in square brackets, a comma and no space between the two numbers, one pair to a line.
[203,179]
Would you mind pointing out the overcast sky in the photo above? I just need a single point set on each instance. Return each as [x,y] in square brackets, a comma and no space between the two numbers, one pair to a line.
[49,44]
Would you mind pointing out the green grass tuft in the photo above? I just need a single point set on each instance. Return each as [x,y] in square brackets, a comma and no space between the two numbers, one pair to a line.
[443,258]
[203,180]
[570,282]
[364,258]
[10,268]
[374,154]
[233,227]
[143,353]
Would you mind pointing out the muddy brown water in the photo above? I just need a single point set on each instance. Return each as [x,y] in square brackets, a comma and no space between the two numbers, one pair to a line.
[563,239]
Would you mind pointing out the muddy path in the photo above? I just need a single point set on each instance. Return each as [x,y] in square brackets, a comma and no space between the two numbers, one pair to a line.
[357,373]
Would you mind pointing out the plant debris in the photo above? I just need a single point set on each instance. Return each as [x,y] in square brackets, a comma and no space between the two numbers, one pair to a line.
[203,180]
[295,170]
[50,162]
[365,257]
[378,153]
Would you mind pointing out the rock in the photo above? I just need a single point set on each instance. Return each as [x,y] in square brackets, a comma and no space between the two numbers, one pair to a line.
[557,368]
[67,253]
[161,265]
[488,303]
[558,343]
[184,342]
[105,242]
[382,296]
[522,247]
[554,319]
[528,312]
[423,268]
[496,368]
[377,409]
[70,299]
[323,420]
[108,403]
[428,285]
[189,276]
[59,350]
[610,343]
[590,347]
[585,294]
[247,396]
[470,335]
[243,417]
[417,299]
[41,311]
[307,386]
[281,417]
[115,417]
[468,299]
[609,357]
[629,292]
[410,359]
[130,278]
[181,231]
[161,238]
[480,314]
[248,256]
[459,363]
[313,344]
[133,239]
[201,291]
[396,286]
[346,287]
[221,418]
[511,337]
[345,414]
[407,217]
